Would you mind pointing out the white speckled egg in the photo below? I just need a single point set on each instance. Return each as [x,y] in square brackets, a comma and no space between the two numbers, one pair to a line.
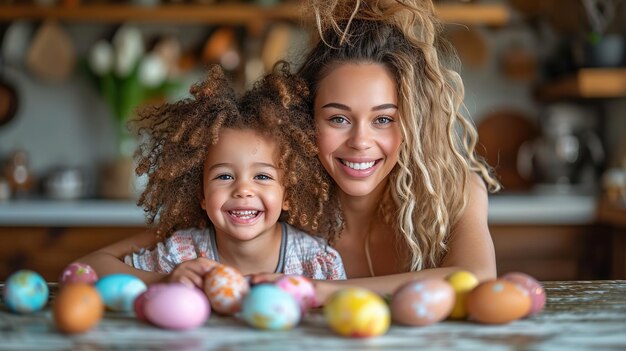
[271,308]
[302,290]
[176,306]
[25,291]
[225,287]
[78,272]
[422,302]
[119,291]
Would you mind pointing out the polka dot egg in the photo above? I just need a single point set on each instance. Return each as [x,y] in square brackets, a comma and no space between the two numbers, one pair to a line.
[301,288]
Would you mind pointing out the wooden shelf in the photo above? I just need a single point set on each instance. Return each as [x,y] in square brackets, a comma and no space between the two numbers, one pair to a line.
[494,15]
[588,83]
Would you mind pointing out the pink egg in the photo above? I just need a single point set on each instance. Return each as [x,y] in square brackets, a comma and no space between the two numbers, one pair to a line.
[535,290]
[422,302]
[302,290]
[138,304]
[176,306]
[78,272]
[225,287]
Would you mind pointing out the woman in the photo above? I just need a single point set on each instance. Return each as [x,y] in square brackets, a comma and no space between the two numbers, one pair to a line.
[412,190]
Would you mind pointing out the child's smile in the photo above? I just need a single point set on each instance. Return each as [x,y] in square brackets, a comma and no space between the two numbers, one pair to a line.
[243,193]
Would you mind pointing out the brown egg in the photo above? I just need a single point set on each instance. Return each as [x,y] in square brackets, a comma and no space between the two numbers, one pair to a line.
[77,308]
[497,302]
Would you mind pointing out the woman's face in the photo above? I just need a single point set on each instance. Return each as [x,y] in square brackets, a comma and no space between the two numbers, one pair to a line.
[356,114]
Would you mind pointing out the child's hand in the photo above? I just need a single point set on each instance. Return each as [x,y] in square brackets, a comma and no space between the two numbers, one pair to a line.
[191,272]
[259,278]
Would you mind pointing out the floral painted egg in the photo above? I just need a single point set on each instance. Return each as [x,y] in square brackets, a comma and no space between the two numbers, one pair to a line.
[119,291]
[78,272]
[535,290]
[175,306]
[225,287]
[462,283]
[422,302]
[497,301]
[271,308]
[302,290]
[357,313]
[77,308]
[25,291]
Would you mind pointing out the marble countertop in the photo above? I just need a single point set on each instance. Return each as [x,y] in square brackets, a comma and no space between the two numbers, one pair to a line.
[503,209]
[579,315]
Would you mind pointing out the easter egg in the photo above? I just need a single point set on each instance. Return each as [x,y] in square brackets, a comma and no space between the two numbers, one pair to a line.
[357,313]
[175,306]
[141,299]
[119,291]
[271,308]
[535,290]
[78,272]
[25,291]
[462,283]
[77,308]
[301,289]
[497,302]
[225,288]
[422,302]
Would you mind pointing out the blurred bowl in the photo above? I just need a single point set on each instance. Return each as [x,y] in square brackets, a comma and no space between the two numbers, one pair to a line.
[65,184]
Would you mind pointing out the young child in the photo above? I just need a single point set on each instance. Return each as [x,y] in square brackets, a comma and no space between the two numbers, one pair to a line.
[229,181]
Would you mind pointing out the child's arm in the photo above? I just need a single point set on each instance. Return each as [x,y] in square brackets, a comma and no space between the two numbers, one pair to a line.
[470,248]
[109,259]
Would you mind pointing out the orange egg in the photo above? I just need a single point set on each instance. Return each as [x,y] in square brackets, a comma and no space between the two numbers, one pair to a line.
[77,308]
[497,302]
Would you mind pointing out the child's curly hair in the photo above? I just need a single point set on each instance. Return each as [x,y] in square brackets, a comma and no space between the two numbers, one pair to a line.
[176,138]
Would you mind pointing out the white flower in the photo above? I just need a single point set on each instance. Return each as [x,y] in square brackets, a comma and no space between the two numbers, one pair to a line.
[152,70]
[129,47]
[101,57]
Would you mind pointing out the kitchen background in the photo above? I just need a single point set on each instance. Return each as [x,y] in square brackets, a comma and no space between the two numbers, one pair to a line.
[545,84]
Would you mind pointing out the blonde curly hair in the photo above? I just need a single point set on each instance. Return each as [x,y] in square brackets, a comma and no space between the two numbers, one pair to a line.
[429,187]
[176,138]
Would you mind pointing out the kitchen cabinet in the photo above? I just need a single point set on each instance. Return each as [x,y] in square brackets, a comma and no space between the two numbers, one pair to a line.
[47,250]
[587,83]
[229,13]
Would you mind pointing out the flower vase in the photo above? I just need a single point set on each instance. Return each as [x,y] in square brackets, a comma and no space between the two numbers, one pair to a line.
[119,180]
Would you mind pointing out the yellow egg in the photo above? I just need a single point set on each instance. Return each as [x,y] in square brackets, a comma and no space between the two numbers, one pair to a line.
[462,283]
[357,313]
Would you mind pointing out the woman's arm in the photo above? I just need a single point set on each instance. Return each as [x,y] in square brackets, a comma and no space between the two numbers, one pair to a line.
[109,260]
[470,248]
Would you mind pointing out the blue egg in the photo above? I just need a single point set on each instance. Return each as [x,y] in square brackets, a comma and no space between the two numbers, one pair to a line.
[269,307]
[25,291]
[119,291]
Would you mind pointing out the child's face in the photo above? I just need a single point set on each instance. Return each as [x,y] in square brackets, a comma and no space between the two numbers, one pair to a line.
[358,126]
[243,193]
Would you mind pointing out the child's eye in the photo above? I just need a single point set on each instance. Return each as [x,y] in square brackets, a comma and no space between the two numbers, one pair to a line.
[224,177]
[383,120]
[263,177]
[339,120]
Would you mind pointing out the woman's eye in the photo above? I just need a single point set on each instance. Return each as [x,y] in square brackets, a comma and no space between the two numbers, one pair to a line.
[338,120]
[383,120]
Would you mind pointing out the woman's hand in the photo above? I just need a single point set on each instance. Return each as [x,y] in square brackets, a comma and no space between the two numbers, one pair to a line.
[191,273]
